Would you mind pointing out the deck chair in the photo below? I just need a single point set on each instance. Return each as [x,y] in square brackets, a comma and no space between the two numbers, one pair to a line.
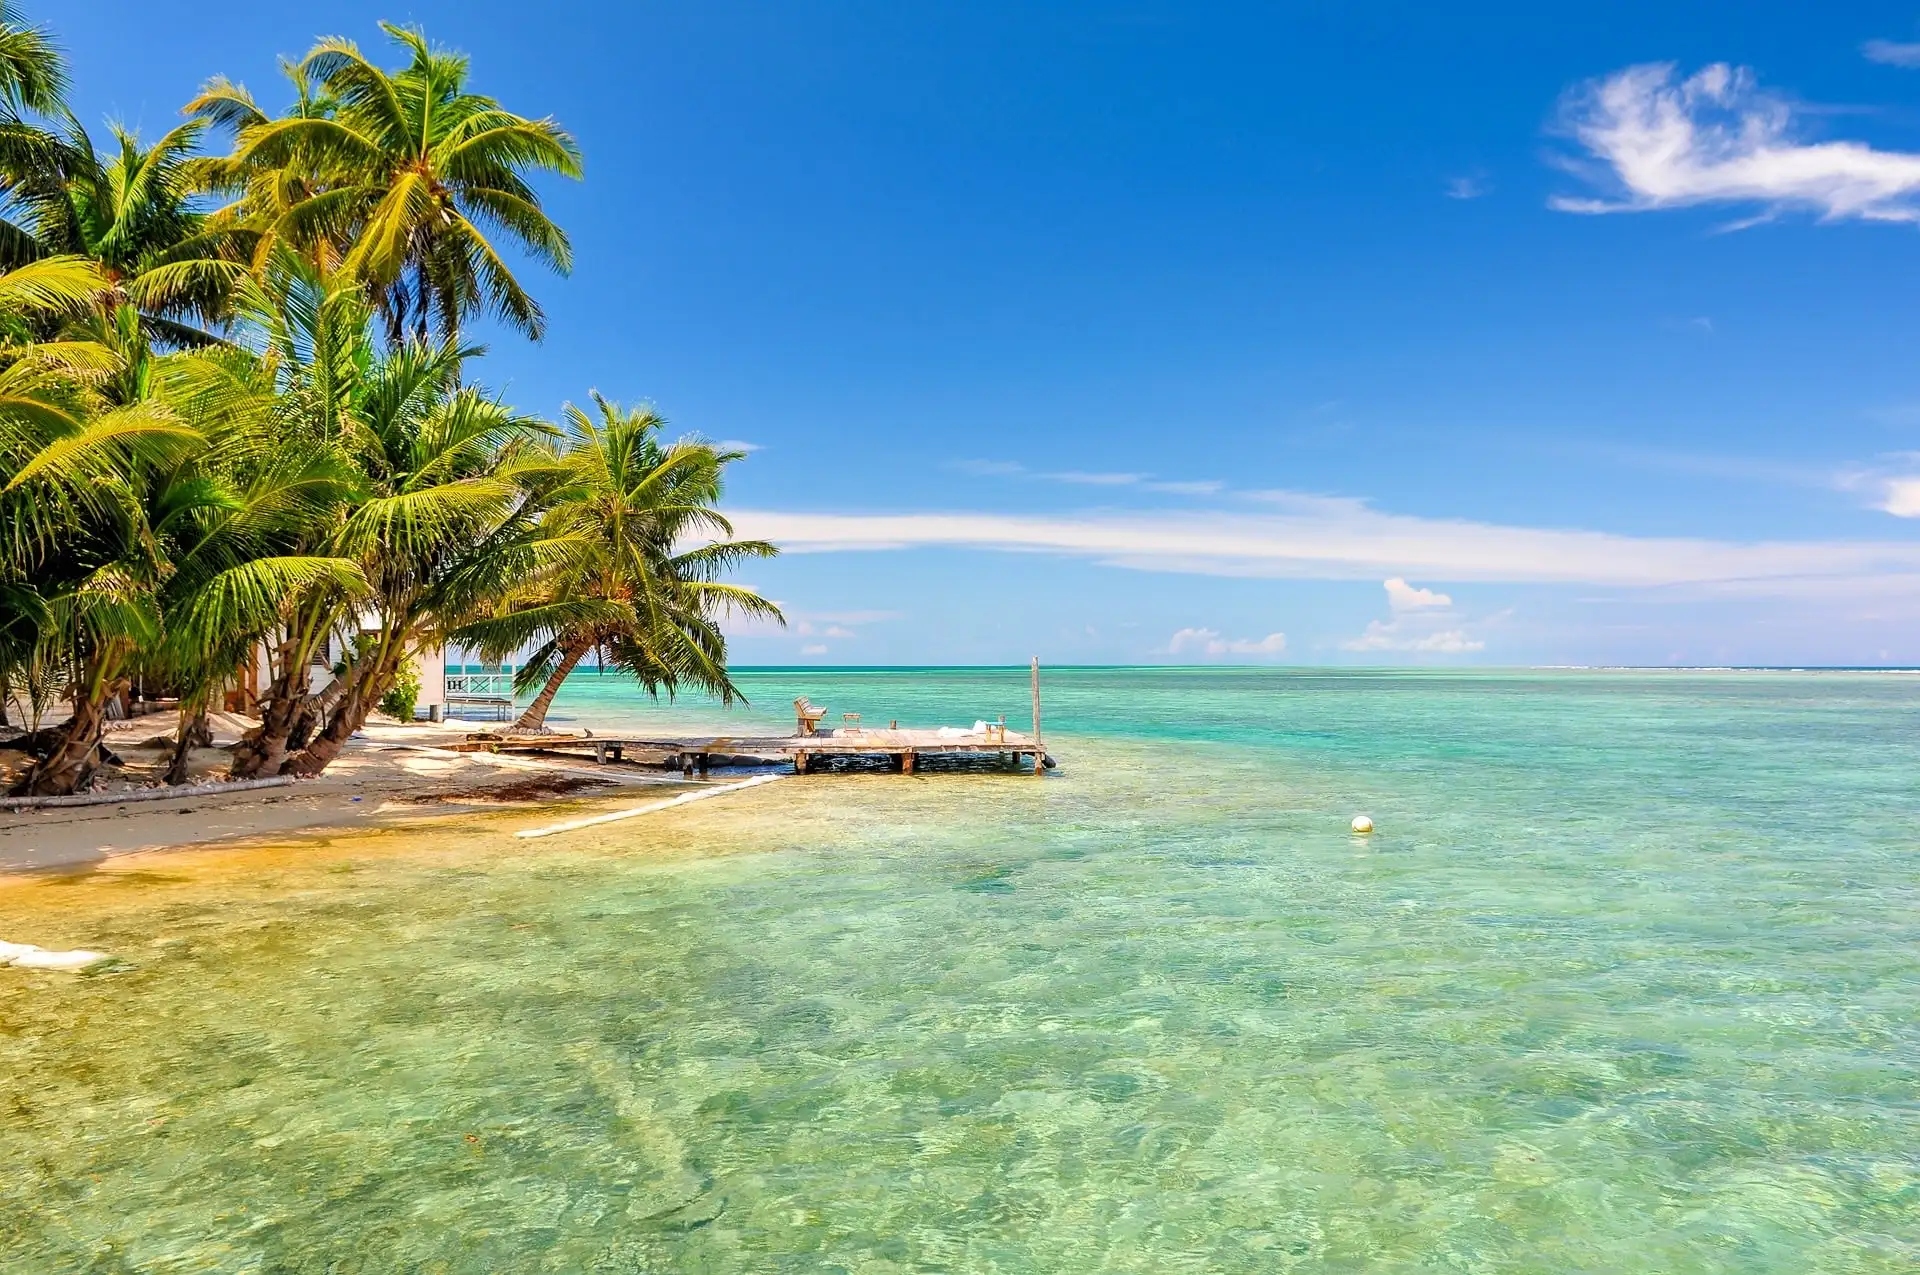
[808,717]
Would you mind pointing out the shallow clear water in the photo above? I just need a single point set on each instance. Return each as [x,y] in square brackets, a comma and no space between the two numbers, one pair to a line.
[1628,980]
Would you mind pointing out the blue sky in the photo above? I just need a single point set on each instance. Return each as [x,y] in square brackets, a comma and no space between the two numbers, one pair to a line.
[1149,331]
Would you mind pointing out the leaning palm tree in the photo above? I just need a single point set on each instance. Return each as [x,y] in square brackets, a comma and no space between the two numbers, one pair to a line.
[442,527]
[153,518]
[624,517]
[235,560]
[408,176]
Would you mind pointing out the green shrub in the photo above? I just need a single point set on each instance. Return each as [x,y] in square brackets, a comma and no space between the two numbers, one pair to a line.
[404,696]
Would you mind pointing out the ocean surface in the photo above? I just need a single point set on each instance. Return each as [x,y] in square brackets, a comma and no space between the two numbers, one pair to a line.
[1628,980]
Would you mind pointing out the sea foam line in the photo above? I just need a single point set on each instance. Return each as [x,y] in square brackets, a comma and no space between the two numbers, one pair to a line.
[649,808]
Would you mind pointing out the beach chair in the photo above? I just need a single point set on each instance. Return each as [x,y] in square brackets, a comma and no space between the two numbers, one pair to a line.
[808,717]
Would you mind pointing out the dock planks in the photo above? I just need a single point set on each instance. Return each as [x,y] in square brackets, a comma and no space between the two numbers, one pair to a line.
[900,746]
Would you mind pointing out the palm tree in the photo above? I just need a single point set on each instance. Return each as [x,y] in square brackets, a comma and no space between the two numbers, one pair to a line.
[403,176]
[152,513]
[79,502]
[621,511]
[434,515]
[32,75]
[444,528]
[33,82]
[235,560]
[45,389]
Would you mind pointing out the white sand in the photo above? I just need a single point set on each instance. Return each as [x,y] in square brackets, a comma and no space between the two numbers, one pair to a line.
[394,774]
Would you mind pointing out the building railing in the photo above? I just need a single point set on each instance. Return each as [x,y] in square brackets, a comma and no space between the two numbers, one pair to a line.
[480,686]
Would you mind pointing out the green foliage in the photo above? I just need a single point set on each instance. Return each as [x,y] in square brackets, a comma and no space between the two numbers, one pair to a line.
[403,697]
[629,562]
[229,428]
[413,171]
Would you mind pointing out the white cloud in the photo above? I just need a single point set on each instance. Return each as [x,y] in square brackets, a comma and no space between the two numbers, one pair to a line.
[1097,478]
[808,624]
[1202,487]
[1891,487]
[855,617]
[736,445]
[1334,538]
[1402,596]
[1902,497]
[1465,188]
[1191,639]
[990,468]
[1891,52]
[1387,636]
[813,649]
[1209,642]
[1716,137]
[1415,626]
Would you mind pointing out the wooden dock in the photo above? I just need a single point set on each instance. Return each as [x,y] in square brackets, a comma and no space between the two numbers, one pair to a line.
[898,749]
[808,748]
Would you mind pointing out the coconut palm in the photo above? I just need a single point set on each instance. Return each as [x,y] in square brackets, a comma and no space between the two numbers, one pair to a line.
[33,78]
[33,82]
[435,515]
[445,528]
[149,532]
[623,516]
[236,560]
[408,176]
[45,388]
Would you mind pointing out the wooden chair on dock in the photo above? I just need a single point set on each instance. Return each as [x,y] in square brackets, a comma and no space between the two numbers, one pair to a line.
[808,716]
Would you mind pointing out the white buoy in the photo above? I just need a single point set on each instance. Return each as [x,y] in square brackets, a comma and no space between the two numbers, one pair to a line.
[1362,824]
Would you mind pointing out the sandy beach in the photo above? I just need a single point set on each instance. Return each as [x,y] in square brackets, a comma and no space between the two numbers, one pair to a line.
[391,774]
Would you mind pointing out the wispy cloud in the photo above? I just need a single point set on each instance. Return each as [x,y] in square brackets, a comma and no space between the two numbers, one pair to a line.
[1386,636]
[1085,478]
[835,624]
[736,445]
[810,624]
[1717,137]
[1466,187]
[1891,53]
[815,648]
[1209,642]
[990,468]
[1095,480]
[1339,538]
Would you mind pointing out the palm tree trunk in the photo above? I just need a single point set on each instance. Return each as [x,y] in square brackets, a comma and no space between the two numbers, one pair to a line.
[364,684]
[287,710]
[263,748]
[534,720]
[319,753]
[73,760]
[193,733]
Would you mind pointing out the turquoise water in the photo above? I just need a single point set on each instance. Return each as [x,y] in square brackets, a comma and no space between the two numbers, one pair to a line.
[1628,980]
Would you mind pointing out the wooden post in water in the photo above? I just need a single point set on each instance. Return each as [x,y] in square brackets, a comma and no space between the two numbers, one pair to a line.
[1039,747]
